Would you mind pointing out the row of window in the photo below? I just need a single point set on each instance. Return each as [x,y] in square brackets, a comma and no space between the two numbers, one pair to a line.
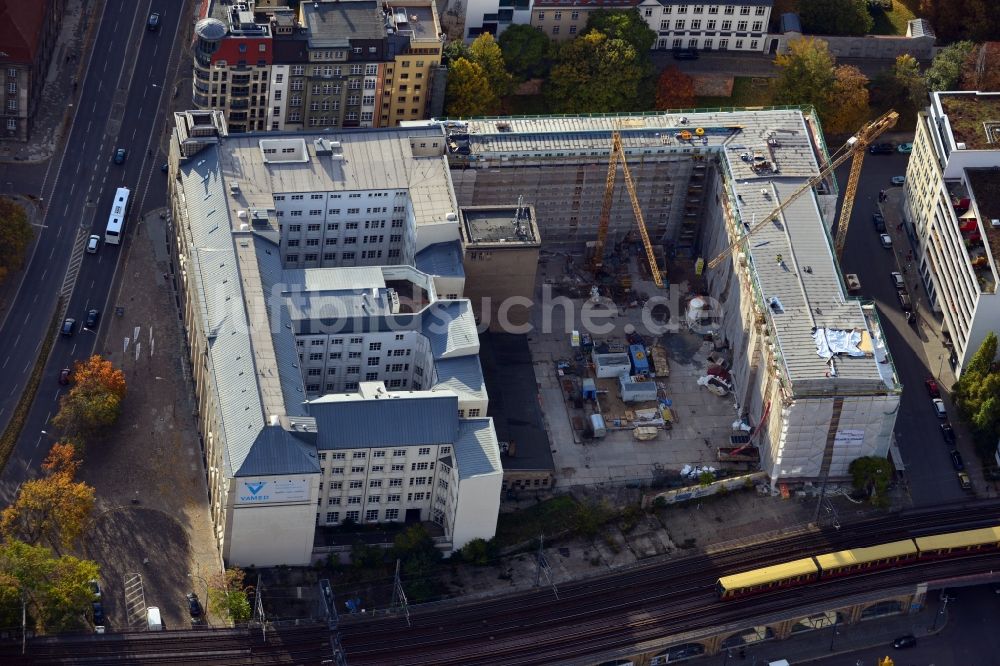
[741,26]
[381,453]
[371,515]
[728,10]
[343,256]
[348,240]
[708,43]
[373,346]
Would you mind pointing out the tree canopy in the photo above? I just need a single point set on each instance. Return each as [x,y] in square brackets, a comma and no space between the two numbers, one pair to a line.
[977,392]
[806,75]
[674,90]
[624,24]
[15,236]
[468,92]
[945,72]
[526,50]
[94,402]
[977,20]
[835,17]
[485,52]
[903,86]
[229,595]
[597,74]
[850,90]
[871,475]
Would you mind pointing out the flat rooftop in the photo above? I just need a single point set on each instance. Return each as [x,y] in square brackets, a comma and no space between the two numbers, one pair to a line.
[974,119]
[985,185]
[499,225]
[416,22]
[333,24]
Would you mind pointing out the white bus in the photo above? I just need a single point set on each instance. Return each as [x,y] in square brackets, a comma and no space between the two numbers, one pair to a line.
[116,221]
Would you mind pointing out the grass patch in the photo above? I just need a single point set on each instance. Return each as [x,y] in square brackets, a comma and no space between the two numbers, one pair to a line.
[747,91]
[548,517]
[892,22]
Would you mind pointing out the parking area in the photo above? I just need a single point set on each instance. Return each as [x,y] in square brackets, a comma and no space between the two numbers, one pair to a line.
[688,432]
[152,504]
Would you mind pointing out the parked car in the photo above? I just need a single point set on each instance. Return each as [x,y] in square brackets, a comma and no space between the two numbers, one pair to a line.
[964,481]
[939,408]
[898,180]
[948,433]
[897,280]
[153,24]
[905,147]
[886,241]
[194,605]
[685,54]
[99,619]
[68,327]
[64,376]
[95,587]
[880,148]
[904,301]
[879,222]
[165,167]
[93,243]
[932,387]
[93,317]
[956,461]
[907,641]
[120,155]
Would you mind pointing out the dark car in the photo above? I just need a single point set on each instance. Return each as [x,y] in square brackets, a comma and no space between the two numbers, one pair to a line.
[120,156]
[194,605]
[99,619]
[956,460]
[948,433]
[154,21]
[932,388]
[906,641]
[879,222]
[881,148]
[904,301]
[93,316]
[64,376]
[68,327]
[685,54]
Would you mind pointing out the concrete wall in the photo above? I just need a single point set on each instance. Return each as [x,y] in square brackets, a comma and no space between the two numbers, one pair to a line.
[500,282]
[476,509]
[869,46]
[272,534]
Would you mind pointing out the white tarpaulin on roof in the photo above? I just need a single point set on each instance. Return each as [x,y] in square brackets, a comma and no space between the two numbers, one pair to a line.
[830,341]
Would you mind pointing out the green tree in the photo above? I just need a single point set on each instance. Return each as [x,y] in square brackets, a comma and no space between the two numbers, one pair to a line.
[526,50]
[850,90]
[590,517]
[453,51]
[419,557]
[229,594]
[15,236]
[805,75]
[945,71]
[486,53]
[835,17]
[55,588]
[468,92]
[595,74]
[977,393]
[479,552]
[624,24]
[871,475]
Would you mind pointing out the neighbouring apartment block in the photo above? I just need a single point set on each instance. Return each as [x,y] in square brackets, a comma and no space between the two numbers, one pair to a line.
[355,63]
[27,43]
[952,210]
[336,381]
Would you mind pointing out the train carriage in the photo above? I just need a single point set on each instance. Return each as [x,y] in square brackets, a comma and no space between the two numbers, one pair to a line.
[958,543]
[776,576]
[861,559]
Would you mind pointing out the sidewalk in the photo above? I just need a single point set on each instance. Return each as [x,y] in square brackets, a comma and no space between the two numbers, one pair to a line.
[66,70]
[808,646]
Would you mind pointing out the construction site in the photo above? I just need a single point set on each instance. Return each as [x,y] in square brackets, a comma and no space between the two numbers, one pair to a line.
[689,314]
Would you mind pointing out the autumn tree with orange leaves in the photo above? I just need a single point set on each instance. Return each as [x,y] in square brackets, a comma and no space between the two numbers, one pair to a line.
[53,509]
[674,90]
[93,403]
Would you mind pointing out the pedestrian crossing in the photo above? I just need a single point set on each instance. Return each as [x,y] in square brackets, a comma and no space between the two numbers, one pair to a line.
[79,247]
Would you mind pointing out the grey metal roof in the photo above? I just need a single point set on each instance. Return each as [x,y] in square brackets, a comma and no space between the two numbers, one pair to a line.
[450,327]
[333,23]
[463,375]
[277,451]
[443,259]
[476,449]
[400,419]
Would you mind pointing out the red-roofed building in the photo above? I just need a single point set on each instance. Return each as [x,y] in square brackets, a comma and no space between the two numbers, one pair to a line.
[27,41]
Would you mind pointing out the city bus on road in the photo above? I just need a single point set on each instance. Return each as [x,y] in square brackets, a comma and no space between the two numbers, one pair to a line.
[116,221]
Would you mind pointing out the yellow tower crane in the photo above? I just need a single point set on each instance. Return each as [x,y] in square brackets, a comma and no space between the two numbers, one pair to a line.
[855,147]
[618,155]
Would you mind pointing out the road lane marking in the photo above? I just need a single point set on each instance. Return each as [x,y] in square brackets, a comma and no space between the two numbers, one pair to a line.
[38,442]
[27,317]
[47,417]
[73,350]
[56,396]
[52,252]
[71,188]
[16,339]
[35,299]
[66,211]
[44,272]
[6,361]
[26,366]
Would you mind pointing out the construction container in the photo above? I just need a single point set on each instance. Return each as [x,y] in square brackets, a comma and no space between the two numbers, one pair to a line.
[610,365]
[597,425]
[640,363]
[574,340]
[635,389]
[589,389]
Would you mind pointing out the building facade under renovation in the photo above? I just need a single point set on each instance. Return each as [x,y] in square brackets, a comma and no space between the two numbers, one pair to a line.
[812,374]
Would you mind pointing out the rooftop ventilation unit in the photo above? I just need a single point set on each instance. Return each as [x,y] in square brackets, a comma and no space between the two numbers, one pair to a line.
[995,223]
[393,301]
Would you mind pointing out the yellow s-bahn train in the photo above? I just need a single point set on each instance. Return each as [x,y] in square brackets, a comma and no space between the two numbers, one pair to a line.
[848,562]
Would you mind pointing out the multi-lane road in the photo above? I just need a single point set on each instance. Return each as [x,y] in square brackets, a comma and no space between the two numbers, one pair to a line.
[120,104]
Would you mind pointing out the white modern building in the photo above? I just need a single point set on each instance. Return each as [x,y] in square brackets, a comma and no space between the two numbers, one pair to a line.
[716,25]
[952,201]
[336,387]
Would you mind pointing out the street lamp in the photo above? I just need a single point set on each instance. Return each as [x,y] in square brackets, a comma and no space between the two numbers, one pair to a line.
[835,631]
[205,606]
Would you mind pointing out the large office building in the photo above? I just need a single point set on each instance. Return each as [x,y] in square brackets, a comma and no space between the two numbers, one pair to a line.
[350,63]
[336,382]
[952,204]
[810,366]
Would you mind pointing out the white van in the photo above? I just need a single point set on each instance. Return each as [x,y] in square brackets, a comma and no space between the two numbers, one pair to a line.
[153,622]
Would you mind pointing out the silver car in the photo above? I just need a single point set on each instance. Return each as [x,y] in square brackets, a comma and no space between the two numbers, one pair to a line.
[93,243]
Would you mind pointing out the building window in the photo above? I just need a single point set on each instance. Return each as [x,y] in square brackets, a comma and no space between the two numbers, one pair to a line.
[392,514]
[741,26]
[753,44]
[355,499]
[760,10]
[398,453]
[744,10]
[371,515]
[425,451]
[739,43]
[333,516]
[353,515]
